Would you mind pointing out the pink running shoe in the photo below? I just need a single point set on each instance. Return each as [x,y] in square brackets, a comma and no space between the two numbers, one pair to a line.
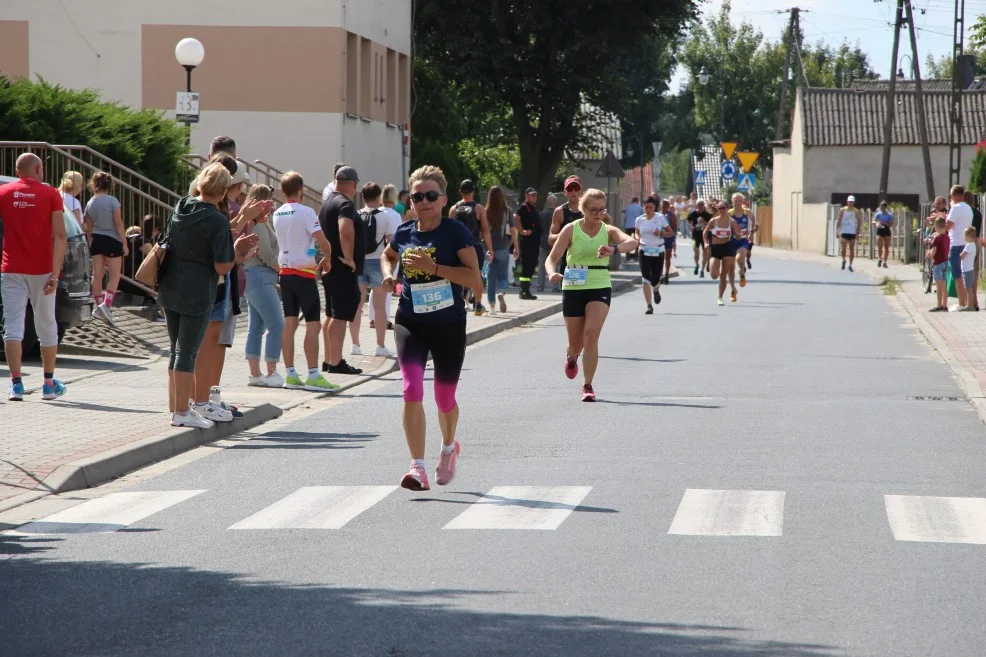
[588,394]
[571,367]
[446,466]
[416,478]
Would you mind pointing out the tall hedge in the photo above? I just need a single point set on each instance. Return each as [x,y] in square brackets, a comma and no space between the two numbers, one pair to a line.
[977,172]
[143,140]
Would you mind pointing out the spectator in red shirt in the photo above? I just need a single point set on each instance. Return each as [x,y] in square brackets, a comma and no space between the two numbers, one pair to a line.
[34,244]
[938,252]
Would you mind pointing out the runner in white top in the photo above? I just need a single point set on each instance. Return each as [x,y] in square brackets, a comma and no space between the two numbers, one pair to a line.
[650,229]
[848,226]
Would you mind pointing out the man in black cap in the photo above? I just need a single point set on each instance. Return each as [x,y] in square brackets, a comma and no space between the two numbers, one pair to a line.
[529,228]
[473,216]
[345,233]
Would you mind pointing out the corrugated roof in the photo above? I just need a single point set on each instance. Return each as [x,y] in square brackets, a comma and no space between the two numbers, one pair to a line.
[908,85]
[846,117]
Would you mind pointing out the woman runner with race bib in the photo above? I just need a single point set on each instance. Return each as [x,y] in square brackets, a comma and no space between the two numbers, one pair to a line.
[719,236]
[437,260]
[586,286]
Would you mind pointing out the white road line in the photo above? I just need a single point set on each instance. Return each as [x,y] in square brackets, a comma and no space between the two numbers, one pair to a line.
[729,513]
[317,507]
[107,514]
[521,507]
[937,519]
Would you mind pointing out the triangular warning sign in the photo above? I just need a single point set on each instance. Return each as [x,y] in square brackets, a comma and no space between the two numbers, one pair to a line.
[728,148]
[747,160]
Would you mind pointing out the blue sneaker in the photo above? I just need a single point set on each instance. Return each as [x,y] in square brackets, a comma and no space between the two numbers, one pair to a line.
[16,392]
[53,391]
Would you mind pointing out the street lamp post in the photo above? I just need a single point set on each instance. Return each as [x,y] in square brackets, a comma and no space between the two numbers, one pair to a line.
[703,79]
[189,52]
[900,66]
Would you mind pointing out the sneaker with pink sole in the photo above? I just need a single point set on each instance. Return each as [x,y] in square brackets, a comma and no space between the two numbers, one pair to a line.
[416,478]
[446,466]
[571,367]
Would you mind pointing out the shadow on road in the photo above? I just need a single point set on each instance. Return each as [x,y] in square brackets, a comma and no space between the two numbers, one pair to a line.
[645,360]
[306,440]
[662,404]
[145,609]
[499,500]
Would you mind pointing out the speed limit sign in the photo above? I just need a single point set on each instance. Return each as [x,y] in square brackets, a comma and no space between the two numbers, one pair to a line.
[187,107]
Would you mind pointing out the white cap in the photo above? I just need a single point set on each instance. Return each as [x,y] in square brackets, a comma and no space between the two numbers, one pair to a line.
[240,174]
[851,199]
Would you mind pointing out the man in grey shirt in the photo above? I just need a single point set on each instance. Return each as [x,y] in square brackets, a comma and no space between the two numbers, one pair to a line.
[544,218]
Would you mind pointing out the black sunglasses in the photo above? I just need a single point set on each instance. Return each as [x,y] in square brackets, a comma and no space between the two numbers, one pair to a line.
[431,195]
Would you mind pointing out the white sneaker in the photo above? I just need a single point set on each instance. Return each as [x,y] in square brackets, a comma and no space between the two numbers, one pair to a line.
[191,419]
[384,352]
[214,412]
[104,312]
[275,380]
[356,351]
[257,381]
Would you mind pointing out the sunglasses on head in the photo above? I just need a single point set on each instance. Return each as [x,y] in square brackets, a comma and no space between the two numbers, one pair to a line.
[431,196]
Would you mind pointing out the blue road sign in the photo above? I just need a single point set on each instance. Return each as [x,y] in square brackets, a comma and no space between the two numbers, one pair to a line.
[728,170]
[747,181]
[700,177]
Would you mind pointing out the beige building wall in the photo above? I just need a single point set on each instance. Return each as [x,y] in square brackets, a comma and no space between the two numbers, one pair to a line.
[788,188]
[846,169]
[278,78]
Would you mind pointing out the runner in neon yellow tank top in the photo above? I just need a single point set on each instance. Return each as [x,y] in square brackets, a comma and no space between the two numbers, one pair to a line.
[586,286]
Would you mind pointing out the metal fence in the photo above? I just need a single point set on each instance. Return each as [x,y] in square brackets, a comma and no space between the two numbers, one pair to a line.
[263,174]
[905,236]
[136,200]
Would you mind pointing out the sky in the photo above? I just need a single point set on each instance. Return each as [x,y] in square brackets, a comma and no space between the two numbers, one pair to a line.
[868,22]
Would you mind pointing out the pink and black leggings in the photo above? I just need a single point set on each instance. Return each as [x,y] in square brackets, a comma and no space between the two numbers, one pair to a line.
[447,345]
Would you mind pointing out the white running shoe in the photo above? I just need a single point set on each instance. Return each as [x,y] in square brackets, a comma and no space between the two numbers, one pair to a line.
[384,352]
[214,412]
[191,419]
[103,312]
[356,351]
[257,381]
[275,380]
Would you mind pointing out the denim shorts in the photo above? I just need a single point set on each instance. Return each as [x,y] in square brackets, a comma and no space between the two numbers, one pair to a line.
[940,271]
[968,278]
[223,308]
[372,275]
[955,260]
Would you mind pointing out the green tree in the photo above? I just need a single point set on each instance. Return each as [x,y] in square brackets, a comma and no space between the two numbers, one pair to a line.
[143,140]
[977,172]
[544,63]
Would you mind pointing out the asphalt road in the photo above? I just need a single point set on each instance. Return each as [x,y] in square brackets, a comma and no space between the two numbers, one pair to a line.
[772,478]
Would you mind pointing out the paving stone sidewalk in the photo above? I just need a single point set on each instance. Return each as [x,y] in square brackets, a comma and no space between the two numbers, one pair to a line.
[115,404]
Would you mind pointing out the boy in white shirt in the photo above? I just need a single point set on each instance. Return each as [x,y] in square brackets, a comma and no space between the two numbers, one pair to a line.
[969,267]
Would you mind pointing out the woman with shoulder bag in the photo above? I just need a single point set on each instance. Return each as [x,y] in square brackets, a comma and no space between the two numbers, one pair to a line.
[200,249]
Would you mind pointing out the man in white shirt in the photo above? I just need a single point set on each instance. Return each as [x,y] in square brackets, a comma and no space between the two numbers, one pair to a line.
[848,226]
[383,224]
[298,232]
[650,230]
[331,187]
[959,218]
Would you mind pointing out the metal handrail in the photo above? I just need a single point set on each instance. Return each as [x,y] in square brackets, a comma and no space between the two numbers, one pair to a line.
[122,167]
[28,145]
[278,173]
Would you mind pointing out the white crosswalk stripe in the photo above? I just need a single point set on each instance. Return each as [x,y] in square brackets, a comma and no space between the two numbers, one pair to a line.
[107,514]
[937,519]
[521,507]
[729,513]
[317,507]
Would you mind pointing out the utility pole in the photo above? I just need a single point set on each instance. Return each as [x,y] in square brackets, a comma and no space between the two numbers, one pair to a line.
[955,132]
[919,99]
[782,109]
[888,125]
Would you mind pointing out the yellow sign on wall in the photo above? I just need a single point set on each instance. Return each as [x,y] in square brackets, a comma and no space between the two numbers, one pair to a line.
[728,148]
[747,160]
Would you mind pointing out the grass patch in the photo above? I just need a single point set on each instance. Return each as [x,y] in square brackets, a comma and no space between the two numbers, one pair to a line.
[890,286]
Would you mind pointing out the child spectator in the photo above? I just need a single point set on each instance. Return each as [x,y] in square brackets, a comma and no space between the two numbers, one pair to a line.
[969,267]
[938,253]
